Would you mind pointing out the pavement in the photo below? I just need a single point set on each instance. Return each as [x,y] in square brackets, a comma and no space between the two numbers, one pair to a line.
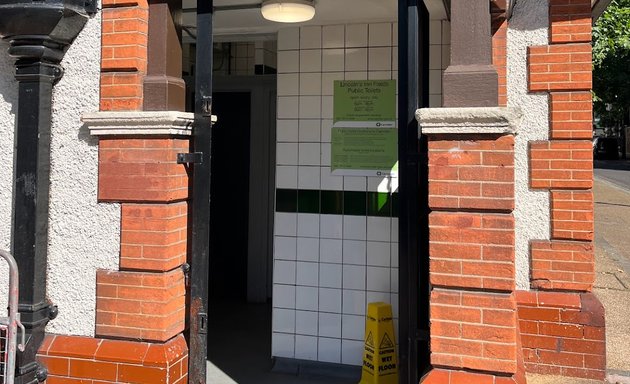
[612,265]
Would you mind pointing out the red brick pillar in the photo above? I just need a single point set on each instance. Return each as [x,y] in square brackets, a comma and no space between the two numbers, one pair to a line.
[474,328]
[140,308]
[562,322]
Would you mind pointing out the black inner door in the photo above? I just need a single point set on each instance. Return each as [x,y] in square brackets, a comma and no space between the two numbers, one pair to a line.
[229,205]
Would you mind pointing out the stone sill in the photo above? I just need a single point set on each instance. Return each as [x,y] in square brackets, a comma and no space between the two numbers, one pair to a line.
[135,123]
[479,120]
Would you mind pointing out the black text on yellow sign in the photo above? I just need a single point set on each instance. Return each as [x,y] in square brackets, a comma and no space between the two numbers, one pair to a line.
[380,365]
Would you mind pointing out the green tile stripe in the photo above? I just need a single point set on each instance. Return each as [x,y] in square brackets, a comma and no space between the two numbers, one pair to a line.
[337,202]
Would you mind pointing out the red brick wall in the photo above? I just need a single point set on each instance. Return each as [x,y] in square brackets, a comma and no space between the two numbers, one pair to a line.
[471,232]
[562,324]
[123,54]
[562,333]
[76,359]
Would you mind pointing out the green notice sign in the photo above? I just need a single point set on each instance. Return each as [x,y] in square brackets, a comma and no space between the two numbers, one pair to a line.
[365,149]
[364,134]
[365,100]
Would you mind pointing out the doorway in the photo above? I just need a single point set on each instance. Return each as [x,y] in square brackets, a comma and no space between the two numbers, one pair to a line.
[241,228]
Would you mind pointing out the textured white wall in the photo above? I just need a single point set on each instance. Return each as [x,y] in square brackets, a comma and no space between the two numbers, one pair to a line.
[83,235]
[529,25]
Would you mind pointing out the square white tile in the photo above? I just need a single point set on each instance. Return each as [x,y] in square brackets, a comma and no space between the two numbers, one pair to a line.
[306,298]
[328,82]
[288,107]
[356,75]
[306,323]
[307,274]
[354,252]
[307,249]
[331,227]
[285,248]
[354,302]
[395,34]
[330,324]
[329,350]
[435,32]
[352,352]
[329,300]
[378,279]
[284,272]
[394,302]
[308,225]
[394,247]
[353,327]
[379,75]
[380,34]
[309,130]
[378,253]
[311,60]
[329,276]
[325,155]
[310,37]
[287,153]
[305,347]
[380,59]
[310,84]
[435,56]
[355,183]
[308,177]
[354,227]
[333,36]
[309,153]
[285,224]
[284,296]
[435,81]
[376,297]
[288,84]
[330,250]
[287,130]
[394,236]
[394,280]
[328,180]
[326,130]
[283,320]
[357,35]
[288,38]
[327,107]
[333,60]
[356,59]
[310,107]
[354,277]
[379,228]
[286,176]
[288,61]
[283,345]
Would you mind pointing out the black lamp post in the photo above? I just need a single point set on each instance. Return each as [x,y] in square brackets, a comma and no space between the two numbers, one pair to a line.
[39,33]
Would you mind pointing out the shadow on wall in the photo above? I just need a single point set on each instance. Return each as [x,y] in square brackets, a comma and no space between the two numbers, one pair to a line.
[530,7]
[8,87]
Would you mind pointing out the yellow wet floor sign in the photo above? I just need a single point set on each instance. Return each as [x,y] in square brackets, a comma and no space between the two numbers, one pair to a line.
[380,365]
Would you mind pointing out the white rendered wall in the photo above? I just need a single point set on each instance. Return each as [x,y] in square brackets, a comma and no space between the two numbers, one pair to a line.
[528,26]
[83,234]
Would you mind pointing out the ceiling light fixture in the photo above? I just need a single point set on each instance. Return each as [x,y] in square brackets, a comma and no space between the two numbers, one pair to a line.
[288,11]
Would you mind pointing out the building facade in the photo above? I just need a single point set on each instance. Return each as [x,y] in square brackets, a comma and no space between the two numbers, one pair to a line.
[506,118]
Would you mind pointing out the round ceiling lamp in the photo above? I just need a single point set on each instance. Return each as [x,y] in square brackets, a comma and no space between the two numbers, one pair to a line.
[288,11]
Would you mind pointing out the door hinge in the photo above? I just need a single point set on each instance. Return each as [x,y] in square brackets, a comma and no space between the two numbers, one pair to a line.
[190,158]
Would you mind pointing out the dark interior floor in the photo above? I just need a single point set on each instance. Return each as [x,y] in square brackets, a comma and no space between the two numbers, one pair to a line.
[239,347]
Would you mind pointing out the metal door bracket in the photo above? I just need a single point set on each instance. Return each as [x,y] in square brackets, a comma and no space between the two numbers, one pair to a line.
[190,158]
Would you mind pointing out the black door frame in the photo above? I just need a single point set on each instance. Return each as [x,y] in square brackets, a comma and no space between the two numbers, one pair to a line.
[413,54]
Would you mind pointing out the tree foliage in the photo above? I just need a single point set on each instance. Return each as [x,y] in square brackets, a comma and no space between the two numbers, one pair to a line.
[611,63]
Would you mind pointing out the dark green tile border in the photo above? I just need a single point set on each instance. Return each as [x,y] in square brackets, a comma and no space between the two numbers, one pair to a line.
[337,202]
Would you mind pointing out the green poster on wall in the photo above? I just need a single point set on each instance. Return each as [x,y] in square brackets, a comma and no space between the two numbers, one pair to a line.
[364,136]
[365,100]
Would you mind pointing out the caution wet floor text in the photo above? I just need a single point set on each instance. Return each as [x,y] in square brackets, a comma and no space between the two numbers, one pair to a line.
[380,365]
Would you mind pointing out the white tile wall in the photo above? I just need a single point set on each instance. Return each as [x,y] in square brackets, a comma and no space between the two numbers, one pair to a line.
[334,264]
